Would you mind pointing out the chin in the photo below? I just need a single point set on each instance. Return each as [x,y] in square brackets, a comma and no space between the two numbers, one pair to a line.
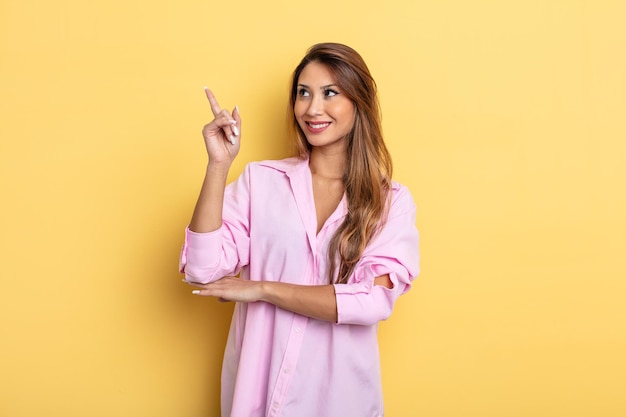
[327,143]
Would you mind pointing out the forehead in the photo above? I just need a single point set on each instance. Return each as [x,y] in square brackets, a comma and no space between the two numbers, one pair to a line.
[316,74]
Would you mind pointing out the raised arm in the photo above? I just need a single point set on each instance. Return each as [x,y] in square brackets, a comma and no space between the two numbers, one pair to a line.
[221,138]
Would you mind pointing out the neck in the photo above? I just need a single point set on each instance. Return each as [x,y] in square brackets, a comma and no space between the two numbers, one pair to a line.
[328,164]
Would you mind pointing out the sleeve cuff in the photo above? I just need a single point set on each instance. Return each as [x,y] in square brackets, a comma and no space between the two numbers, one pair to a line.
[197,245]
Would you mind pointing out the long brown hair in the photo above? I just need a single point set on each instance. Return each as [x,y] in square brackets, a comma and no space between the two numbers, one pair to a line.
[367,179]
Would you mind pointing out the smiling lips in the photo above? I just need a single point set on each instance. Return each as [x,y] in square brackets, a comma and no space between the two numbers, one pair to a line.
[317,127]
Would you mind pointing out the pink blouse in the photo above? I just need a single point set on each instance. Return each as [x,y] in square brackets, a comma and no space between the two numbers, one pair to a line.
[278,363]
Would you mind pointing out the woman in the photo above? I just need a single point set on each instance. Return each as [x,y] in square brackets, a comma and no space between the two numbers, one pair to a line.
[325,243]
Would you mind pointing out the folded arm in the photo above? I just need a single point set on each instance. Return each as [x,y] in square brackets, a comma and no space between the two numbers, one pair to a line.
[316,301]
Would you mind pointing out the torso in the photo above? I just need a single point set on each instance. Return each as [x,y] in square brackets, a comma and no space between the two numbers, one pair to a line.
[327,193]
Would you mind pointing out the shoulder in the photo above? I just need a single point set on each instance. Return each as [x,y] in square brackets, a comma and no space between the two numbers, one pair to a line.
[401,199]
[264,176]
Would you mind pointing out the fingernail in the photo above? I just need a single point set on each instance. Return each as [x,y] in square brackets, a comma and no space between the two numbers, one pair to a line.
[232,139]
[237,108]
[206,88]
[236,130]
[195,292]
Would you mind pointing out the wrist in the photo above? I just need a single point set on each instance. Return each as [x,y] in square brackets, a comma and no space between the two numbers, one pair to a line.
[266,291]
[218,168]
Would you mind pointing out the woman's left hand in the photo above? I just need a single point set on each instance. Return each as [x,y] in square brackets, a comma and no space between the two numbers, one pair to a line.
[231,289]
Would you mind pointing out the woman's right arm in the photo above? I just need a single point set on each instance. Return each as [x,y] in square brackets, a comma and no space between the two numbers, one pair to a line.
[213,249]
[221,138]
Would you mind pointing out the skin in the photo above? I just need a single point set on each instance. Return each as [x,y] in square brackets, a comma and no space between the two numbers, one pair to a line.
[320,101]
[316,105]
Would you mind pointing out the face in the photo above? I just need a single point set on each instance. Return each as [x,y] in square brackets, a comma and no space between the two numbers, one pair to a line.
[323,112]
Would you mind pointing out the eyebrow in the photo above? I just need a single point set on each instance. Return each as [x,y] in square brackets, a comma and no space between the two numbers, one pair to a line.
[321,88]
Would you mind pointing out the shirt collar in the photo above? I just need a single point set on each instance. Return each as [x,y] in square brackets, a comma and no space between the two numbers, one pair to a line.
[296,165]
[288,165]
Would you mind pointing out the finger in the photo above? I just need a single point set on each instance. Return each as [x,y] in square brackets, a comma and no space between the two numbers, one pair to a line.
[227,124]
[211,292]
[237,125]
[215,106]
[231,131]
[207,285]
[206,294]
[193,284]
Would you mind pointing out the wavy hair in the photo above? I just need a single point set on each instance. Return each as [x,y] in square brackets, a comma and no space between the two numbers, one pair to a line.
[367,179]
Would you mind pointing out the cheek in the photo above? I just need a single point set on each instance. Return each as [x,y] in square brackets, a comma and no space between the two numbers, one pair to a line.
[298,113]
[299,109]
[349,115]
[347,111]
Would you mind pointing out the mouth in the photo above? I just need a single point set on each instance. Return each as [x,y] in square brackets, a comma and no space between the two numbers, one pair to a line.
[317,127]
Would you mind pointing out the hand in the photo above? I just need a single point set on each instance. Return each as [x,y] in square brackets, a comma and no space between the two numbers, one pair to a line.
[222,134]
[231,289]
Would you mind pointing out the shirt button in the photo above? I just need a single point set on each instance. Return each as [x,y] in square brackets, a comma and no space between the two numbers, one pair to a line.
[297,330]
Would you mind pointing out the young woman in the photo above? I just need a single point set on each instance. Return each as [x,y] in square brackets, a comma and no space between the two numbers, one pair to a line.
[324,242]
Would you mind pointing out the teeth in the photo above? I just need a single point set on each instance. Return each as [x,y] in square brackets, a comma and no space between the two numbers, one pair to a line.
[319,126]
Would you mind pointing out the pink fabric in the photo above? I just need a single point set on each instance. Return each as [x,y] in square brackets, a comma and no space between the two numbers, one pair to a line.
[278,363]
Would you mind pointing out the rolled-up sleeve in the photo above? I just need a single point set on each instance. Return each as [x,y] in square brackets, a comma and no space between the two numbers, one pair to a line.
[206,257]
[394,251]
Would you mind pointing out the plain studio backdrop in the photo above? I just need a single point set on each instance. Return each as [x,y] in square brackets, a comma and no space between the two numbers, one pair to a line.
[505,119]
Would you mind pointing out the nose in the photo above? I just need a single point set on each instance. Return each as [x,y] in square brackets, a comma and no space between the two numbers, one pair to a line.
[316,106]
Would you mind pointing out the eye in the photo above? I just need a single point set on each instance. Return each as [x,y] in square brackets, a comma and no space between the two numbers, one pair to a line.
[302,92]
[329,92]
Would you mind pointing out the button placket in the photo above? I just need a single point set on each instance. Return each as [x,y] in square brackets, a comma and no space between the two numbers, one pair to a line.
[290,358]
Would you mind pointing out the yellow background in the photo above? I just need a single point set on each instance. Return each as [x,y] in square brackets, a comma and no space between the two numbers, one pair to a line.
[506,119]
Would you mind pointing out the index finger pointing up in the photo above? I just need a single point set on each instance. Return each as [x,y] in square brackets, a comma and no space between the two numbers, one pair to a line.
[215,106]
